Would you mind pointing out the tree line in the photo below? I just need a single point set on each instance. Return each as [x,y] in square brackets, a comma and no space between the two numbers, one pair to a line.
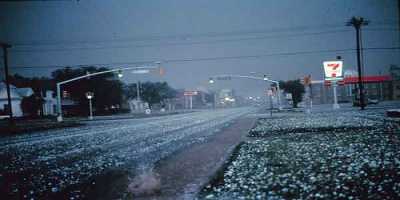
[109,91]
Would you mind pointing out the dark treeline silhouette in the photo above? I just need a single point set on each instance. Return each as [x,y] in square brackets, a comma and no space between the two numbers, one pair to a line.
[110,93]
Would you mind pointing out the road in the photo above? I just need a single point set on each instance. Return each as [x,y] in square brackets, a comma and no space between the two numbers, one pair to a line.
[38,164]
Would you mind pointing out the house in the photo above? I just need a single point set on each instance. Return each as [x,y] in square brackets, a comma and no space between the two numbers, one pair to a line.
[49,104]
[17,94]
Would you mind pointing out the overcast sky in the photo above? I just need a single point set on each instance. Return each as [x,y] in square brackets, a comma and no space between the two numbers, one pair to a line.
[198,39]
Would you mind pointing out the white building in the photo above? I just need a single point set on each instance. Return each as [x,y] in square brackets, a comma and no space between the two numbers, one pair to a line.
[50,104]
[16,97]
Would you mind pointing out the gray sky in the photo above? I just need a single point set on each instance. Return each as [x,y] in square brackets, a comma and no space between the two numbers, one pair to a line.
[217,35]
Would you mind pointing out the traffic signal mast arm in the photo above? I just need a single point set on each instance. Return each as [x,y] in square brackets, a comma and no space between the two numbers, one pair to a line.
[59,118]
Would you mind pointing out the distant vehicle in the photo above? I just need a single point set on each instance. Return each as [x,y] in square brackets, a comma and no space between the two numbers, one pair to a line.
[343,101]
[301,104]
[356,102]
[373,101]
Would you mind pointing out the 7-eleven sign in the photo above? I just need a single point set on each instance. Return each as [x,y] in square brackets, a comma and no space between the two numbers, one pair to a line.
[333,70]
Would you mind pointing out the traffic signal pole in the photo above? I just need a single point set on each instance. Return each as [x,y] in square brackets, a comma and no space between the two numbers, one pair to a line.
[59,84]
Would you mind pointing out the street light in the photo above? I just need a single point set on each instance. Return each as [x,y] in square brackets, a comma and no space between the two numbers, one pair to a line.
[90,96]
[211,81]
[120,74]
[278,90]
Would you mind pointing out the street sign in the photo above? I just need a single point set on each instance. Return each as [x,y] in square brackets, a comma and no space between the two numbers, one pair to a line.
[224,78]
[190,93]
[333,70]
[147,111]
[327,83]
[140,71]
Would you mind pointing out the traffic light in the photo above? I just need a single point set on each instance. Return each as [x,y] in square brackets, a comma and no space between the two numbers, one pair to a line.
[161,71]
[307,80]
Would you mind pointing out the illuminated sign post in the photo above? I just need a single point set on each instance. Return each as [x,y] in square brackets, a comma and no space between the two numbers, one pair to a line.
[190,94]
[333,72]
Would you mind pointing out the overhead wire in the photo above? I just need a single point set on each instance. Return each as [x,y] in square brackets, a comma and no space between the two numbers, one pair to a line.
[180,60]
[178,44]
[155,37]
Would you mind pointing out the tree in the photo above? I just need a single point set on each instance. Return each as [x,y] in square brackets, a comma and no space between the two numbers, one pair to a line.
[295,88]
[39,85]
[151,93]
[31,105]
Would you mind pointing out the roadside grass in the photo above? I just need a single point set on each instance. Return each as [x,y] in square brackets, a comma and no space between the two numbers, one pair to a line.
[30,126]
[292,160]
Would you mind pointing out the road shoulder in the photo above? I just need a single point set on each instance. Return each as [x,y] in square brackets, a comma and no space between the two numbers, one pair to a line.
[183,174]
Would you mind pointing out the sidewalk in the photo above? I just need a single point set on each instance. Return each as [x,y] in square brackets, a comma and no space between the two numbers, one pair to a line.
[32,125]
[184,173]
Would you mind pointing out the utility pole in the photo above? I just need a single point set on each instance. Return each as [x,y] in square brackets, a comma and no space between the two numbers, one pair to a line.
[5,47]
[357,23]
[398,20]
[138,90]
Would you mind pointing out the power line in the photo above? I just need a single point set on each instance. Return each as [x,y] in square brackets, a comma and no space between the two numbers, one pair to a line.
[180,44]
[38,50]
[209,58]
[184,36]
[156,37]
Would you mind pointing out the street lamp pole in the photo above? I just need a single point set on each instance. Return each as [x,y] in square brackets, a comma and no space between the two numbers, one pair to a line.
[90,95]
[90,109]
[211,81]
[278,89]
[279,95]
[335,99]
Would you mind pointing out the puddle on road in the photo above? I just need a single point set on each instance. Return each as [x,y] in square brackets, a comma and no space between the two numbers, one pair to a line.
[147,183]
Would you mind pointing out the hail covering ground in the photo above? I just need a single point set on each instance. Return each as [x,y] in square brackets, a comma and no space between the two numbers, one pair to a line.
[49,161]
[327,155]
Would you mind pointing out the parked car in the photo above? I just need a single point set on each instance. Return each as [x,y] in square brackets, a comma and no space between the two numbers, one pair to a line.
[356,102]
[373,101]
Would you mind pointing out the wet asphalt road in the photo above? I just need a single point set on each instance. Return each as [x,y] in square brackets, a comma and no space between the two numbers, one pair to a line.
[39,164]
